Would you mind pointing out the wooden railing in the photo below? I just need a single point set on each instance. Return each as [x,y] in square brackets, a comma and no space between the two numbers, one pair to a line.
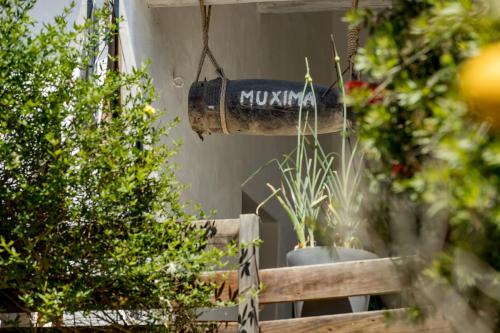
[287,284]
[343,279]
[279,6]
[302,283]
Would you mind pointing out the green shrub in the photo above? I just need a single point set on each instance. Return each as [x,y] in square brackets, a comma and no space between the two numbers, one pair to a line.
[433,167]
[90,211]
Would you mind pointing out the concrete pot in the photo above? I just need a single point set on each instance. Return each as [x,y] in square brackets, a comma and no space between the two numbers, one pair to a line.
[325,255]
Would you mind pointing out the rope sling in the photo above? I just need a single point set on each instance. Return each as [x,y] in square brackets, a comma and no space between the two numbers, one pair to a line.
[206,12]
[353,34]
[353,44]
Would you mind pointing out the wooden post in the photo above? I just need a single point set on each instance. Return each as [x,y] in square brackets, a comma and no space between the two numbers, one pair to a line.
[248,308]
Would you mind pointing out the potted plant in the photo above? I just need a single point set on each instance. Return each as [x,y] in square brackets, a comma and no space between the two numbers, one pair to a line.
[322,203]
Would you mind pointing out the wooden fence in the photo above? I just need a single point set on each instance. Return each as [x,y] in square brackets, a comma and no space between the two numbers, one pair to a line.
[287,284]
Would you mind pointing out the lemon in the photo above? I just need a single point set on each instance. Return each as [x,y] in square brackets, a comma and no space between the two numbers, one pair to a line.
[480,84]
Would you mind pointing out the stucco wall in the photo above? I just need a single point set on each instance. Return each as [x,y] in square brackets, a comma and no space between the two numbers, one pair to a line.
[247,45]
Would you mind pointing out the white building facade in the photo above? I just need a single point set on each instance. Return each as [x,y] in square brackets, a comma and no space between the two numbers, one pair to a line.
[248,44]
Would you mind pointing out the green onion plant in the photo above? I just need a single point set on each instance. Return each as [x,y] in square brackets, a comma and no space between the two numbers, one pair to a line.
[312,192]
[343,185]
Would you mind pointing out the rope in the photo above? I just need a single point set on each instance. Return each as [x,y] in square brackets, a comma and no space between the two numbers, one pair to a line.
[222,106]
[353,43]
[206,12]
[352,49]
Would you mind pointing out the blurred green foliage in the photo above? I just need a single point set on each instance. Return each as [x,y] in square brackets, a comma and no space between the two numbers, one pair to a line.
[423,145]
[90,212]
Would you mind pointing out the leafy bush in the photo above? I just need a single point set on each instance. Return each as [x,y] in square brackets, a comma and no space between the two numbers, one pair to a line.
[433,164]
[90,212]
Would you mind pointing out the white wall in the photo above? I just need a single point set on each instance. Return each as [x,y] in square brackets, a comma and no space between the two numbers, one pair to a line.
[247,45]
[45,10]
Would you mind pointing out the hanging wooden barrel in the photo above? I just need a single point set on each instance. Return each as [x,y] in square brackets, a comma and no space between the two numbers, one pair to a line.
[260,107]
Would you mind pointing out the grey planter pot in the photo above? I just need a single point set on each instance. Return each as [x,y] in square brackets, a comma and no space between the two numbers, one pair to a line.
[325,255]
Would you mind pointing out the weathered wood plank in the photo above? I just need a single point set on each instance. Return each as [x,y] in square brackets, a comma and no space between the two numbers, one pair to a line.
[391,321]
[227,231]
[364,277]
[229,313]
[283,7]
[20,319]
[248,306]
[286,284]
[304,5]
[227,282]
[190,3]
[82,319]
[108,318]
[227,328]
[367,322]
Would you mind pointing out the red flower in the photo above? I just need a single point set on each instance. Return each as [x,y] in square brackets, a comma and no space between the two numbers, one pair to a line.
[354,84]
[401,170]
[350,86]
[398,169]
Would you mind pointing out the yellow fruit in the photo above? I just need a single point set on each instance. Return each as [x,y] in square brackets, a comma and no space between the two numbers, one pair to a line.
[480,84]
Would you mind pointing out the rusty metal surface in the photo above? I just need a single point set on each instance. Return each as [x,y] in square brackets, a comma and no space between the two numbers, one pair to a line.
[261,107]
